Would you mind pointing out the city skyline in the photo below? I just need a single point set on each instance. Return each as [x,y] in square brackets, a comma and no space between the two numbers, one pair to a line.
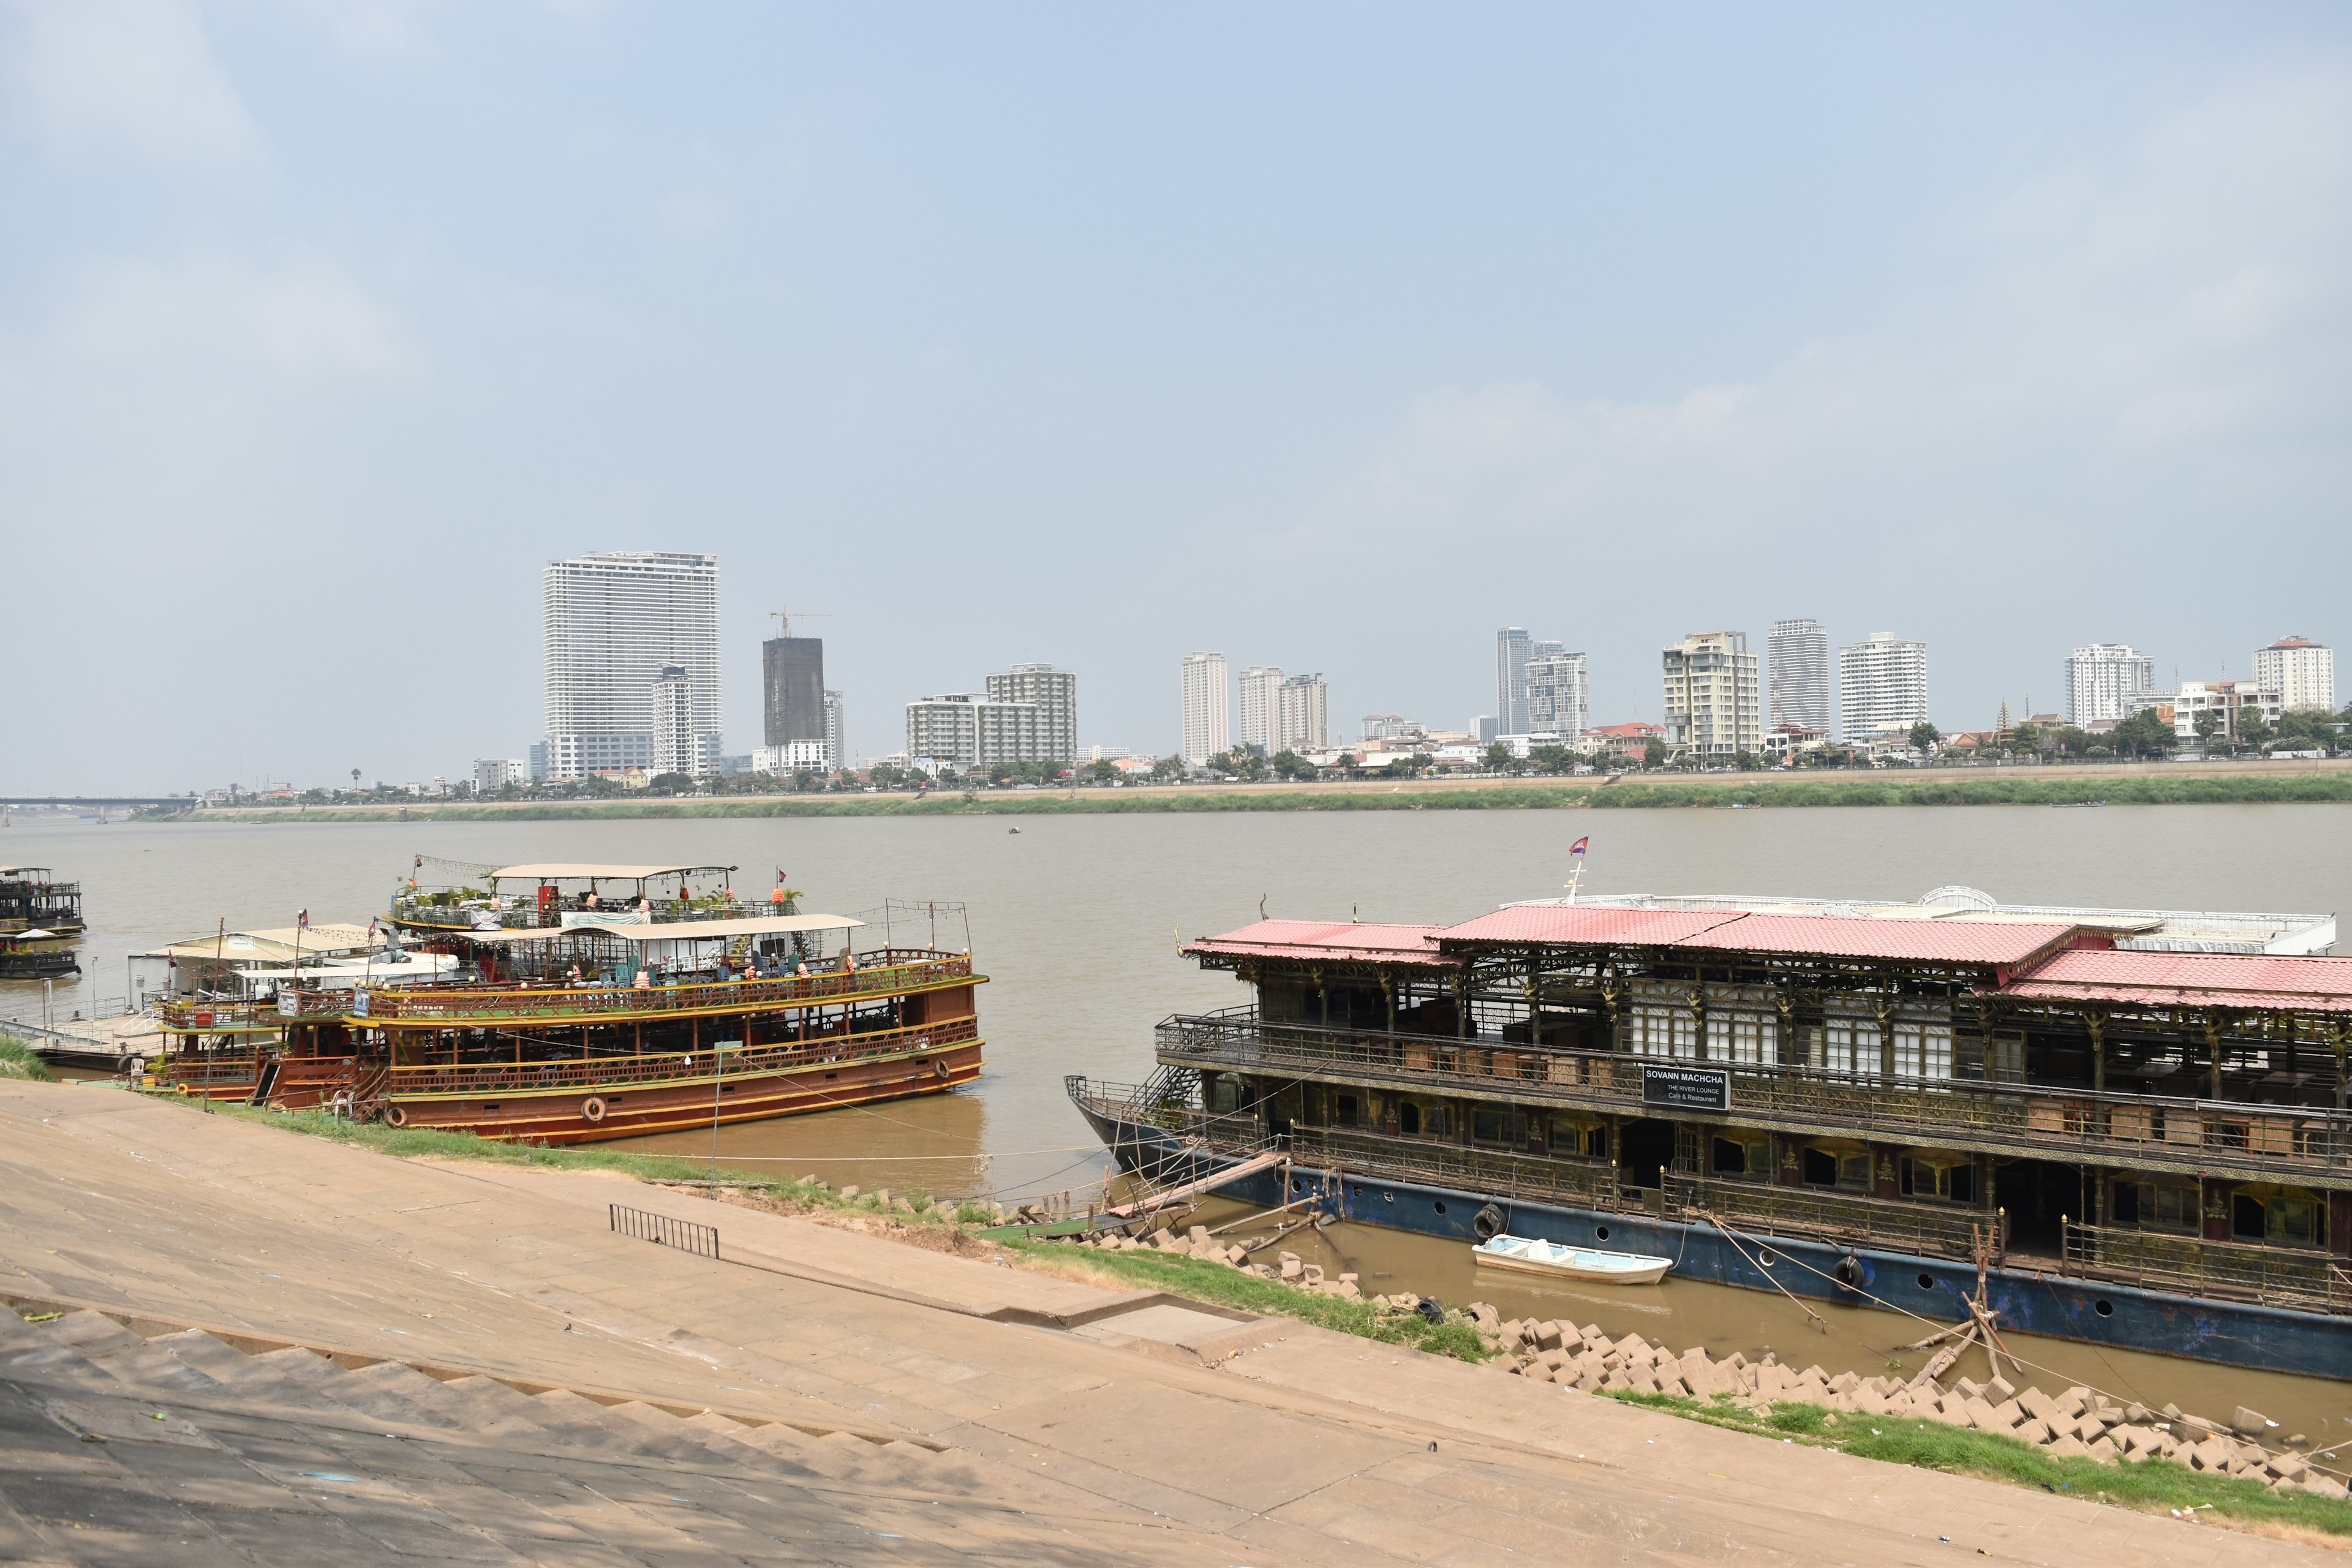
[1870,316]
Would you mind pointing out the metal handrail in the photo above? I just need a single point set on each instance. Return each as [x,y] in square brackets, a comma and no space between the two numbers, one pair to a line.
[465,1002]
[1853,1217]
[668,1067]
[2278,1276]
[2142,1131]
[526,915]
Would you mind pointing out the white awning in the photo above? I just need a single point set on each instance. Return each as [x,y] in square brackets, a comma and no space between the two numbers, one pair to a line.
[567,871]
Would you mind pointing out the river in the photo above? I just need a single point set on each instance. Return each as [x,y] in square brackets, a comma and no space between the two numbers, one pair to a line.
[1076,919]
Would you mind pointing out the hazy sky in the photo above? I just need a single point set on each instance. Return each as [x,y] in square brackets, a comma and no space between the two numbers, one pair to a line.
[1331,337]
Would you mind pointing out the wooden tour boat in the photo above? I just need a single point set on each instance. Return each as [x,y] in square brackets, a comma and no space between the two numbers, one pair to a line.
[1533,1254]
[604,1002]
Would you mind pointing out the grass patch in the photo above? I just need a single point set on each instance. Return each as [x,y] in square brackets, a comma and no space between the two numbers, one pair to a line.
[1214,1283]
[2148,1484]
[18,1060]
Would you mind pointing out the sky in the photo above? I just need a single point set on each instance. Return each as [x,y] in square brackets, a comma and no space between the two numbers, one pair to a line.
[1332,337]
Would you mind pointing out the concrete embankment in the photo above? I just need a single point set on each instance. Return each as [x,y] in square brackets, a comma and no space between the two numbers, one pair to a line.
[454,1360]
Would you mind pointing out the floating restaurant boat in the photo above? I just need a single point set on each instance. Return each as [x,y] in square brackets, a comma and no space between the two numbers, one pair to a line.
[575,1002]
[2137,1118]
[1533,1254]
[40,920]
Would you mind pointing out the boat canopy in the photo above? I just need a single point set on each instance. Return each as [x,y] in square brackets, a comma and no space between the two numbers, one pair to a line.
[580,871]
[266,946]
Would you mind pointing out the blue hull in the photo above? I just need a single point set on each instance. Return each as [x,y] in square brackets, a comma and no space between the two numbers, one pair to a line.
[2126,1317]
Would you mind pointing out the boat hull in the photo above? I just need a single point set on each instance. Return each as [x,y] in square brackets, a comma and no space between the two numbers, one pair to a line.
[2126,1317]
[1649,1276]
[636,1107]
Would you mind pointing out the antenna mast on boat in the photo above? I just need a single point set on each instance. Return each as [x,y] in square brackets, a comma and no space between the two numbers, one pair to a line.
[1576,856]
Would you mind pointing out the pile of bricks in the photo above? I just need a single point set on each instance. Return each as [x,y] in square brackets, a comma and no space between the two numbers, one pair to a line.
[1287,1268]
[2078,1422]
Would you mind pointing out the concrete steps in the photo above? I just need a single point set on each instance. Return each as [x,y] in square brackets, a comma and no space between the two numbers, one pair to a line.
[181,1448]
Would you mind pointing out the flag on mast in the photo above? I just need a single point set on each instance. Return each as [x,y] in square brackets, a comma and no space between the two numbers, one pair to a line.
[1580,847]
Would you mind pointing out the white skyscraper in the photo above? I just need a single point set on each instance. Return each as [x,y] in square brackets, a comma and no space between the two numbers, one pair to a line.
[1055,693]
[1799,652]
[676,746]
[1881,685]
[1205,734]
[836,729]
[613,621]
[1558,695]
[1711,698]
[1260,692]
[2106,681]
[1302,713]
[1512,647]
[2301,671]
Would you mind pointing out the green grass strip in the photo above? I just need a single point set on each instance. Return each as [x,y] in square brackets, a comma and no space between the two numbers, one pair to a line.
[1200,1280]
[18,1060]
[2145,1484]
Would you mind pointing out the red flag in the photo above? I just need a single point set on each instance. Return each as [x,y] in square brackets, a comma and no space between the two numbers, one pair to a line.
[1580,847]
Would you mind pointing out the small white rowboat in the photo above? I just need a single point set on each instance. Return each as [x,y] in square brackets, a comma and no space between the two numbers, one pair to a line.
[1593,1268]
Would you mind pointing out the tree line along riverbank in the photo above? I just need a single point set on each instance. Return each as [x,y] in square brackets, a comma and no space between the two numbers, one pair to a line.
[1623,794]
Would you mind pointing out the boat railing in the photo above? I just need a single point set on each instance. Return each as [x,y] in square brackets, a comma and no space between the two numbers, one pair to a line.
[1932,1230]
[889,973]
[2138,1130]
[1494,1173]
[711,1062]
[513,913]
[202,1069]
[188,1014]
[2274,1276]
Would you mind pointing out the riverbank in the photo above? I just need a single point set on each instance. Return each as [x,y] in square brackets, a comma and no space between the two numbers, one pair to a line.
[2194,783]
[1832,1416]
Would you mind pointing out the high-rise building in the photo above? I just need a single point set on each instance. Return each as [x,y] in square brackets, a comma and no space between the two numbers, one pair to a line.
[836,729]
[2107,680]
[494,774]
[1512,649]
[2301,671]
[1391,727]
[792,675]
[613,621]
[1055,693]
[1881,685]
[1260,708]
[1302,714]
[965,730]
[676,746]
[1206,734]
[1559,696]
[1799,651]
[1711,697]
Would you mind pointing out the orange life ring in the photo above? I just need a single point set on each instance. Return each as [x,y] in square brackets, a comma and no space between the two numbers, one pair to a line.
[394,1116]
[592,1110]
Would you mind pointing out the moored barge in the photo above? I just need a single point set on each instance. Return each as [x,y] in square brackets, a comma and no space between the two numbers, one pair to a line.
[2137,1118]
[40,920]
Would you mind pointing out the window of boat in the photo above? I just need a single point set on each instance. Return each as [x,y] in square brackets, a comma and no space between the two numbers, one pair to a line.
[2157,1204]
[1499,1125]
[1839,1162]
[1740,1155]
[2289,1216]
[1938,1173]
[1409,1118]
[1344,1111]
[1224,1095]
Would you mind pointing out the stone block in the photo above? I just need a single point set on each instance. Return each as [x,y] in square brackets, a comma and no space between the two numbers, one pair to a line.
[848,1193]
[2034,1429]
[1998,1391]
[1982,1416]
[2074,1401]
[2089,1428]
[2287,1467]
[1968,1388]
[2101,1449]
[1198,1235]
[1483,1313]
[1845,1383]
[1311,1272]
[2248,1423]
[2066,1447]
[1553,1358]
[882,1196]
[1548,1337]
[2035,1403]
[2006,1412]
[1292,1270]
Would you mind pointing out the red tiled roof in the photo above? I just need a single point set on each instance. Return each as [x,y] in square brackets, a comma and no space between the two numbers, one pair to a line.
[2190,980]
[1593,923]
[1341,940]
[2001,942]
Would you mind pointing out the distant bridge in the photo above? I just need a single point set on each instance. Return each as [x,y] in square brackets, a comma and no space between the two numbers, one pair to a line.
[97,800]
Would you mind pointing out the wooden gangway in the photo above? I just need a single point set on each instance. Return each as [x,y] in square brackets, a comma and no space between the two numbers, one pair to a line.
[1164,1197]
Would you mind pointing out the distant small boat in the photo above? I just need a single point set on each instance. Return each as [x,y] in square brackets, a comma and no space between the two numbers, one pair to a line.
[1538,1257]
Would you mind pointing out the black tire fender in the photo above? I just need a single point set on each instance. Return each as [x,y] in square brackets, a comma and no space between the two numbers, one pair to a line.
[1487,1222]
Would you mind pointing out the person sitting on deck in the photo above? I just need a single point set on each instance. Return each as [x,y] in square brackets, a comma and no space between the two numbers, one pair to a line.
[573,974]
[802,970]
[644,906]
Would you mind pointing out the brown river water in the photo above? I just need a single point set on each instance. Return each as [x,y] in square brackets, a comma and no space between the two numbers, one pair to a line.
[1075,921]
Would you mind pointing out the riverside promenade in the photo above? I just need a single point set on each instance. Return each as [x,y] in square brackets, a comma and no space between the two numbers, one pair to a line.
[235,1344]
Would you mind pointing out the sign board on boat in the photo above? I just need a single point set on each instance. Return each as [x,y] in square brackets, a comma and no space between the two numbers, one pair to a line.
[1686,1088]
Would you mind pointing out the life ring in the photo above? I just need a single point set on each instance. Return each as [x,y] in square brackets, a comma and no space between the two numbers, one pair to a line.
[592,1110]
[1487,1222]
[394,1116]
[1847,1271]
[939,1069]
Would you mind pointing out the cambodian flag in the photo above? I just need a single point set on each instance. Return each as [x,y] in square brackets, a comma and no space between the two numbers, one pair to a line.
[1580,847]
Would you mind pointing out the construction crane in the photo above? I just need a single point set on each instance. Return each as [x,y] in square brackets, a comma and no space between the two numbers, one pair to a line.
[783,619]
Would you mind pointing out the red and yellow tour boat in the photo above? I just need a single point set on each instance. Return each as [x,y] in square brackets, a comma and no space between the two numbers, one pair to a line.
[569,1003]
